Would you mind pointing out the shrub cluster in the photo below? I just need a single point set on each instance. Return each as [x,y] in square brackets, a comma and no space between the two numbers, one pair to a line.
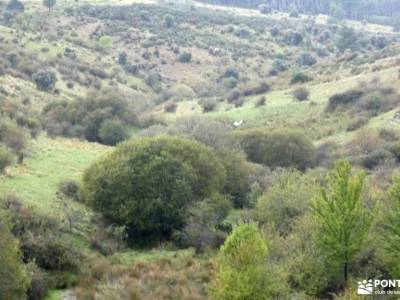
[100,117]
[278,148]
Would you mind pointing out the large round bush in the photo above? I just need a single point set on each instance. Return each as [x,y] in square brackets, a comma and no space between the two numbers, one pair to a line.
[147,184]
[278,148]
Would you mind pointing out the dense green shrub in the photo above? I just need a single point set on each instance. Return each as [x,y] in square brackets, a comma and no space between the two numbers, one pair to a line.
[45,80]
[169,21]
[147,184]
[40,285]
[238,172]
[293,38]
[278,148]
[15,5]
[286,199]
[100,117]
[301,94]
[185,57]
[306,59]
[51,253]
[344,99]
[376,158]
[370,97]
[14,279]
[231,72]
[261,101]
[112,132]
[69,188]
[13,136]
[208,104]
[6,159]
[300,77]
[122,58]
[348,39]
[201,229]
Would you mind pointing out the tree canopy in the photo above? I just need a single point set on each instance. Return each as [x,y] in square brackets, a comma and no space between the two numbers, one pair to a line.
[147,184]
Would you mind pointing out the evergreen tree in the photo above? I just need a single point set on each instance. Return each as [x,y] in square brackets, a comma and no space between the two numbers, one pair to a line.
[242,266]
[343,220]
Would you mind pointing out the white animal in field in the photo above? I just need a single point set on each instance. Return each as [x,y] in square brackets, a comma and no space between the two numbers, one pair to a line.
[238,123]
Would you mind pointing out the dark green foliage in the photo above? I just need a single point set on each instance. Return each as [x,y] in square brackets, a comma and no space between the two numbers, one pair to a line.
[208,104]
[301,94]
[6,159]
[278,148]
[45,80]
[343,220]
[40,285]
[300,77]
[112,132]
[122,58]
[231,72]
[13,137]
[100,117]
[344,99]
[147,184]
[169,21]
[14,280]
[261,101]
[348,39]
[370,97]
[202,228]
[185,57]
[52,253]
[70,189]
[49,3]
[15,5]
[306,59]
[40,238]
[376,158]
[293,38]
[238,172]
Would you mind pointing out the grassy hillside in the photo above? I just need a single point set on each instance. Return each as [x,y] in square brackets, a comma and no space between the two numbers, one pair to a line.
[194,69]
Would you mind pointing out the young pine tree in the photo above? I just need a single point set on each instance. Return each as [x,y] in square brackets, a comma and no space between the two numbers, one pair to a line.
[242,266]
[341,216]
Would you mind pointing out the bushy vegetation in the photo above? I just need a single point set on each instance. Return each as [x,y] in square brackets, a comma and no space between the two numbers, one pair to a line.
[242,273]
[278,148]
[14,278]
[100,117]
[171,173]
[214,161]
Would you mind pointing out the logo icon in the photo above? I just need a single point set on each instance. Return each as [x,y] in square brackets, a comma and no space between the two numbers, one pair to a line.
[365,287]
